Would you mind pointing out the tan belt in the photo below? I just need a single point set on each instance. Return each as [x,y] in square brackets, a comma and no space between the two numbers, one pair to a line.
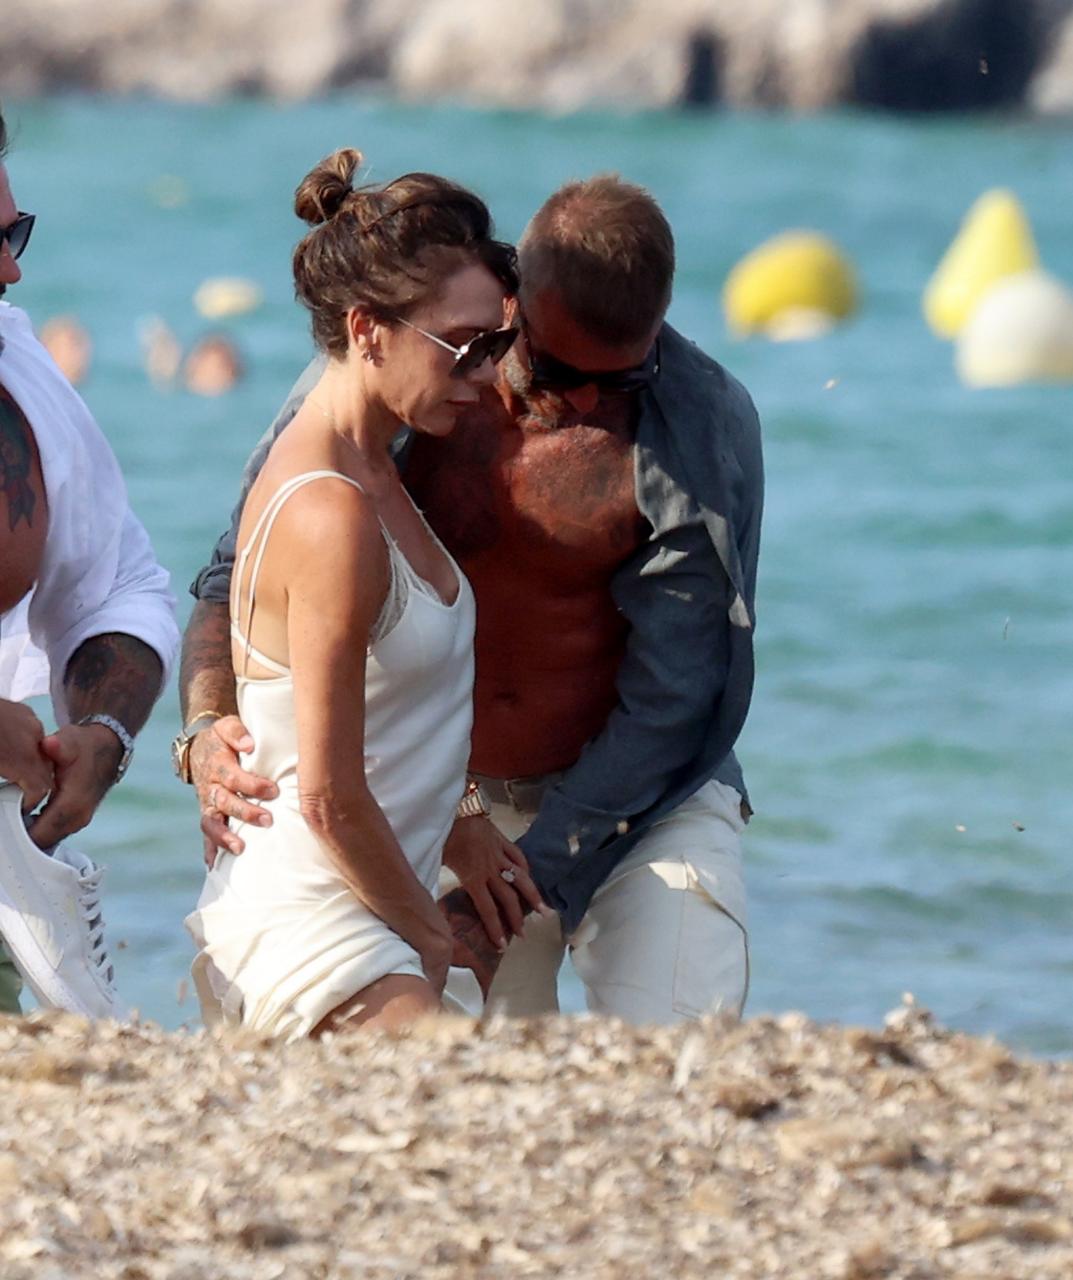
[525,794]
[521,794]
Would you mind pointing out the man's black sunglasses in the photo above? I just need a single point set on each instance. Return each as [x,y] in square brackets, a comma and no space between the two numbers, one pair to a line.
[16,235]
[549,374]
[492,344]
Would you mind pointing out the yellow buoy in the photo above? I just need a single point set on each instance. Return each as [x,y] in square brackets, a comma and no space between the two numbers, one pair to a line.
[226,296]
[794,277]
[995,240]
[1021,331]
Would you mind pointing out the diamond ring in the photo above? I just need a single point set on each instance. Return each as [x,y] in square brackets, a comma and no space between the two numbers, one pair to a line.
[509,874]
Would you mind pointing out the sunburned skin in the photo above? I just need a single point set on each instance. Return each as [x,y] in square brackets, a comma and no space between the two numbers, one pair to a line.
[23,515]
[538,506]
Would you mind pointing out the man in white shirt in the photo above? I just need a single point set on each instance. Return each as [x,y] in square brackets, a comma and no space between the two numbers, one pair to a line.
[86,614]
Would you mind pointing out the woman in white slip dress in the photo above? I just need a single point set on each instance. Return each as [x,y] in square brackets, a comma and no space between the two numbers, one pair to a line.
[352,627]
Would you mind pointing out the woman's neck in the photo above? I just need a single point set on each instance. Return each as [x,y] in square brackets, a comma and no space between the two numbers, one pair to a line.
[364,427]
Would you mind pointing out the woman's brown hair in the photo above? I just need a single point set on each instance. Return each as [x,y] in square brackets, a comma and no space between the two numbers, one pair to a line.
[388,248]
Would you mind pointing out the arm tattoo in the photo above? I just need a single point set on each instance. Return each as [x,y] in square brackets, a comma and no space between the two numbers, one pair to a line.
[16,461]
[206,677]
[466,928]
[114,674]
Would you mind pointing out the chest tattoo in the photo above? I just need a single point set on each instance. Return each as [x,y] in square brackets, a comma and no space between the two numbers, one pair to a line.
[452,482]
[532,483]
[16,462]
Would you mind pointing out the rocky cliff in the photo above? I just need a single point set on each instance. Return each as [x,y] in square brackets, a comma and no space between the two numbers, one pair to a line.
[558,55]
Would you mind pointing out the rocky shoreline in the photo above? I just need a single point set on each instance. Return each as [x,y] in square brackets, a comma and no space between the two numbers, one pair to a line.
[776,1149]
[557,55]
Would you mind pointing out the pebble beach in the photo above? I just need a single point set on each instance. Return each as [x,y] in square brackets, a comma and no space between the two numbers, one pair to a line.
[774,1148]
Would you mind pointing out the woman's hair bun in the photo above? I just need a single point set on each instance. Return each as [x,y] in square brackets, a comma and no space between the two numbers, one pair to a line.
[321,193]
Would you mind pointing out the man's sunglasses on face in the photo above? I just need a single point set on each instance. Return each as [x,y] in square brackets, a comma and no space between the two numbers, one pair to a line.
[492,344]
[16,235]
[549,374]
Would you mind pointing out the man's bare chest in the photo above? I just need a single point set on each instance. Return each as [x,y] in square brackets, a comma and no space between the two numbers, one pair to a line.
[562,499]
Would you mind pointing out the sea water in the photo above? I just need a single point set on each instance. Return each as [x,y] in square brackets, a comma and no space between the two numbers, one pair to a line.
[908,750]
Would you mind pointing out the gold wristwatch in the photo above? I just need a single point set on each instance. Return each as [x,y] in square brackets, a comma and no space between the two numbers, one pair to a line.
[180,745]
[474,803]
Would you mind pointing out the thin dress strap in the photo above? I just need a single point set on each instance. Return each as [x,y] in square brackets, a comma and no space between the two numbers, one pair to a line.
[261,530]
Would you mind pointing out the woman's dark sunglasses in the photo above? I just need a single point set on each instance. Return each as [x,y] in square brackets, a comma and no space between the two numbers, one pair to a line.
[492,344]
[16,235]
[549,374]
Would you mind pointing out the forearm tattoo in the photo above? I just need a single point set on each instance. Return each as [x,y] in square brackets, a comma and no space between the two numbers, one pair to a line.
[206,677]
[465,925]
[16,461]
[114,674]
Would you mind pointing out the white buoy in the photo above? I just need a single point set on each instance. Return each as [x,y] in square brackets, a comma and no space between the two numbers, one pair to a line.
[995,240]
[222,296]
[1021,331]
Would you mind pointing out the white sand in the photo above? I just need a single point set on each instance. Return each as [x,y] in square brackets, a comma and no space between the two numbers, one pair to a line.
[568,1147]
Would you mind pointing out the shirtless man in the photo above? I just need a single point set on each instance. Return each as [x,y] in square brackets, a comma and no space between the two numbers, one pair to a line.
[605,503]
[83,602]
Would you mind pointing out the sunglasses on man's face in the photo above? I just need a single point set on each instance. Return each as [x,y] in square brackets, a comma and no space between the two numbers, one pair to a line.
[16,235]
[492,344]
[549,374]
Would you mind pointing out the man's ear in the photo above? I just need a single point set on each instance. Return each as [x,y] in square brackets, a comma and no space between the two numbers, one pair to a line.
[512,310]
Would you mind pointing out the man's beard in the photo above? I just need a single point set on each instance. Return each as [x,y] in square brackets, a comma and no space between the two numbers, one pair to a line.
[517,376]
[519,379]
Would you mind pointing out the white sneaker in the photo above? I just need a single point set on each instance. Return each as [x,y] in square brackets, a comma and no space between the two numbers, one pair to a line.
[50,919]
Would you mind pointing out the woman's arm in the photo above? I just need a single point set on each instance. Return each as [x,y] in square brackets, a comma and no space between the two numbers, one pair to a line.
[336,575]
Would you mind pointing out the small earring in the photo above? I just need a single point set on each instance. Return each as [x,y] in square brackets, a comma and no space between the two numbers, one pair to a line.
[367,354]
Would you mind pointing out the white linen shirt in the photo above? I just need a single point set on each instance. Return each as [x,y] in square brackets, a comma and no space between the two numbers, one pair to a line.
[98,572]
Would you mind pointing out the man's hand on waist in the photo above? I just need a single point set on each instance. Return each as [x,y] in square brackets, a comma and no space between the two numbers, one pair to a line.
[224,789]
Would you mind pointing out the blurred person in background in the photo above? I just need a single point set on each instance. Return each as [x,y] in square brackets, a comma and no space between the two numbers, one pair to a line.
[212,366]
[86,614]
[68,343]
[162,353]
[604,499]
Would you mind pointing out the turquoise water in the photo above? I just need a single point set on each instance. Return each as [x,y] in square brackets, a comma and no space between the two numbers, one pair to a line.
[915,636]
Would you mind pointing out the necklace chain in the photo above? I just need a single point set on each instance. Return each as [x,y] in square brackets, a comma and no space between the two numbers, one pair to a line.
[327,413]
[330,418]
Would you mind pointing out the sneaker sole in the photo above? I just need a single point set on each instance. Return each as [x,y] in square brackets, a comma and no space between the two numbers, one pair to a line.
[28,958]
[34,966]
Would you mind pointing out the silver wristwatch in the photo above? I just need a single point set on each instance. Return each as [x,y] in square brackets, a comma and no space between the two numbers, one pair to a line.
[474,803]
[126,741]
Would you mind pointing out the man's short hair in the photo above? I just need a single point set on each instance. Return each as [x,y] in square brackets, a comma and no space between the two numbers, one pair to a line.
[605,247]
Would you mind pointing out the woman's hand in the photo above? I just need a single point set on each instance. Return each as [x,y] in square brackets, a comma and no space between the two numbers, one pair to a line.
[224,788]
[436,954]
[479,855]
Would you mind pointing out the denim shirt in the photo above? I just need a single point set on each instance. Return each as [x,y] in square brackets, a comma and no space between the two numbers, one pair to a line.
[687,592]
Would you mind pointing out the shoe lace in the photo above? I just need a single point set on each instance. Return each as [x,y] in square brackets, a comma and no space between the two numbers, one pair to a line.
[89,898]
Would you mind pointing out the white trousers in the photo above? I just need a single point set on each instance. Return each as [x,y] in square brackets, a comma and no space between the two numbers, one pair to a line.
[664,939]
